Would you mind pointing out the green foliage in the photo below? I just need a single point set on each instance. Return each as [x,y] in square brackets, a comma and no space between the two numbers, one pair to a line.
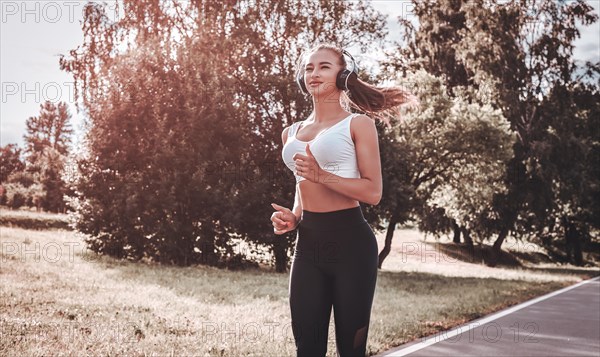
[10,161]
[566,155]
[467,193]
[444,162]
[24,178]
[183,148]
[516,57]
[17,195]
[147,188]
[47,146]
[51,128]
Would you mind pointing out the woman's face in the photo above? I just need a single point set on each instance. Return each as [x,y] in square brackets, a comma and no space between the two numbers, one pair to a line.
[320,71]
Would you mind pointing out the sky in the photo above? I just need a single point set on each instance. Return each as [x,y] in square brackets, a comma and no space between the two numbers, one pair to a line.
[33,34]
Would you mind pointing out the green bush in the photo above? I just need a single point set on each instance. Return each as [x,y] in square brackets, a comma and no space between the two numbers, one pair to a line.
[18,195]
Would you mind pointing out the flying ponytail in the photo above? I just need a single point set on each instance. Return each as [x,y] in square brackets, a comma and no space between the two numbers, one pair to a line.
[374,101]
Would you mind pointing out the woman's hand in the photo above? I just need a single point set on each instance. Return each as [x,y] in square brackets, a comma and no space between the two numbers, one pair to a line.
[307,166]
[284,220]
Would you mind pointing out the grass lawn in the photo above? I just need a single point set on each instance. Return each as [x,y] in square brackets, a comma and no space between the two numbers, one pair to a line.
[59,299]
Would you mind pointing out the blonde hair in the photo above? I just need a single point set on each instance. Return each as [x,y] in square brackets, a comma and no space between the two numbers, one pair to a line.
[364,97]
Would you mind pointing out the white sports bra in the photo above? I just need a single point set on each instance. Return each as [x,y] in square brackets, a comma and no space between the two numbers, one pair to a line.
[333,148]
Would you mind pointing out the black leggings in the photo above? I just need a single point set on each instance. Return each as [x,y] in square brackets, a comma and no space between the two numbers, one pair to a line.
[335,264]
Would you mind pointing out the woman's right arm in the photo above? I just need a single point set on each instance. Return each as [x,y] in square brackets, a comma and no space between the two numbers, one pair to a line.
[297,209]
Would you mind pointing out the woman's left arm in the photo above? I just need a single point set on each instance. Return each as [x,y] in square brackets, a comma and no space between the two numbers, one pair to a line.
[369,187]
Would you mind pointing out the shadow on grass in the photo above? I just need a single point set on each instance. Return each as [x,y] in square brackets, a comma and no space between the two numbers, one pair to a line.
[222,286]
[483,254]
[431,285]
[583,273]
[476,254]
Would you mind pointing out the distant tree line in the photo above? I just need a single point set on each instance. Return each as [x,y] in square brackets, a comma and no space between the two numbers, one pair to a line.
[33,176]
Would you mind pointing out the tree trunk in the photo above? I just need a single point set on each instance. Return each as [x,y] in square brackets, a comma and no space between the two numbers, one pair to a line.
[577,253]
[498,243]
[456,238]
[208,247]
[497,247]
[573,240]
[466,236]
[388,240]
[469,243]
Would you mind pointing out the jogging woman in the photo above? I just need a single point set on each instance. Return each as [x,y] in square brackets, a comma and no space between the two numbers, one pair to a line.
[334,155]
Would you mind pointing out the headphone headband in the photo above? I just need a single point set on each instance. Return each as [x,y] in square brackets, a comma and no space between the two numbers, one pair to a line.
[354,67]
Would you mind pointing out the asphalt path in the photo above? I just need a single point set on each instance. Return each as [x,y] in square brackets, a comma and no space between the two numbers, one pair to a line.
[562,323]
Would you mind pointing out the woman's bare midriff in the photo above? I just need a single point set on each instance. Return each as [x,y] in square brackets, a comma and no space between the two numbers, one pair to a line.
[318,198]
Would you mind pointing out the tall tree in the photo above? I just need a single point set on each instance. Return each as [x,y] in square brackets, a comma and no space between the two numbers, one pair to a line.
[51,128]
[47,142]
[204,134]
[449,149]
[567,155]
[10,161]
[514,54]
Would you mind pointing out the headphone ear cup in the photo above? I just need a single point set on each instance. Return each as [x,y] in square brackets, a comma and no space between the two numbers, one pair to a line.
[340,80]
[347,78]
[300,82]
[352,78]
[344,78]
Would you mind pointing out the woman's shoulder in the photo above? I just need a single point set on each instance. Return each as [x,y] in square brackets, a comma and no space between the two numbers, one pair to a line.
[287,131]
[284,134]
[361,117]
[361,124]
